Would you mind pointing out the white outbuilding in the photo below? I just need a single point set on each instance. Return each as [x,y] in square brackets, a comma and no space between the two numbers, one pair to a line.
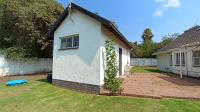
[79,49]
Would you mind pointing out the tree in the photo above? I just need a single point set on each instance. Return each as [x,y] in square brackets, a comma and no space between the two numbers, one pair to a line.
[168,39]
[147,35]
[111,82]
[136,51]
[148,47]
[24,23]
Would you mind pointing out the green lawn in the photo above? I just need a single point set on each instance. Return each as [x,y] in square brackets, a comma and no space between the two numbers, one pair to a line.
[39,96]
[138,69]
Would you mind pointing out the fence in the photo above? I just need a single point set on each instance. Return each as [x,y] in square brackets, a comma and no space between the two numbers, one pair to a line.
[28,66]
[143,62]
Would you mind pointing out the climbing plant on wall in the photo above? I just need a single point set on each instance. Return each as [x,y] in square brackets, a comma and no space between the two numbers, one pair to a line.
[111,82]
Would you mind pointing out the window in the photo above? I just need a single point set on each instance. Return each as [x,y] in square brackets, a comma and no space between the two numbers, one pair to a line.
[170,60]
[183,59]
[70,42]
[177,57]
[196,58]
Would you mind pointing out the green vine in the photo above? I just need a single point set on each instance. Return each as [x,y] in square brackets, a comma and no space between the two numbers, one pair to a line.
[111,82]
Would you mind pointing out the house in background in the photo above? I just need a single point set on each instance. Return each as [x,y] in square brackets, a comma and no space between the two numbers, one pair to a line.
[182,56]
[79,49]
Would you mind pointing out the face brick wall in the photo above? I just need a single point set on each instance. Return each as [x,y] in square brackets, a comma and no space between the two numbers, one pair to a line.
[88,88]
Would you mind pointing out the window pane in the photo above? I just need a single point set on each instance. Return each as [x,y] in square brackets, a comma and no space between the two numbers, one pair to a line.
[196,53]
[177,58]
[183,58]
[63,43]
[76,44]
[196,58]
[170,59]
[196,61]
[76,41]
[69,42]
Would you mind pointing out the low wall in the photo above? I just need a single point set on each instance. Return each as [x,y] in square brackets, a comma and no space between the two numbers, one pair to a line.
[143,62]
[28,66]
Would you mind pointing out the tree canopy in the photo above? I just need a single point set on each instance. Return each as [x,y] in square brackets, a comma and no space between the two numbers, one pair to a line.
[169,38]
[23,24]
[147,34]
[148,46]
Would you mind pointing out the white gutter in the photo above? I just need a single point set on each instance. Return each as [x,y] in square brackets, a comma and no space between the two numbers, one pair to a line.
[190,45]
[187,45]
[165,51]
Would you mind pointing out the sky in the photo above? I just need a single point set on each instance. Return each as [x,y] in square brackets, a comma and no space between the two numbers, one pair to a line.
[133,16]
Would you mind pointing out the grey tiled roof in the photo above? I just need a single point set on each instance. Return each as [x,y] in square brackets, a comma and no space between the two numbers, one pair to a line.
[188,37]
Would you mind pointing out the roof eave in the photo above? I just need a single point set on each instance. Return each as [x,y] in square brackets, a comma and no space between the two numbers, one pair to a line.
[162,52]
[121,35]
[101,19]
[183,46]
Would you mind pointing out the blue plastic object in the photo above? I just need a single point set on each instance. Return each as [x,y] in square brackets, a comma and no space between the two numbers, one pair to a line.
[16,82]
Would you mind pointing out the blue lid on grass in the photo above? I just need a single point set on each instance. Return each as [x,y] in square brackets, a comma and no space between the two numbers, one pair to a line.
[16,82]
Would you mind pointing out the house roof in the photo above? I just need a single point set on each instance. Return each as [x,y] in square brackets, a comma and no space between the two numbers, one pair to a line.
[108,24]
[189,37]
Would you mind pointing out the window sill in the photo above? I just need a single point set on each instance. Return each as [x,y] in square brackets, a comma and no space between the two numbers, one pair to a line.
[179,65]
[68,48]
[196,66]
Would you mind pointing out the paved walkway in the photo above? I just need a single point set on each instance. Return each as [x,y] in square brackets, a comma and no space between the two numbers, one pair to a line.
[158,85]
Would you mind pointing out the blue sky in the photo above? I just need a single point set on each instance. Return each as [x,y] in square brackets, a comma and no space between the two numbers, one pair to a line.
[133,16]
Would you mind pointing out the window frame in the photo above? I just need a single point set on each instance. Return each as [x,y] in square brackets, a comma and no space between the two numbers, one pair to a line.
[73,40]
[193,64]
[182,59]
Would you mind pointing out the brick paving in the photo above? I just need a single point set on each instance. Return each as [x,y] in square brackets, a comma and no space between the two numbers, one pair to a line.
[158,85]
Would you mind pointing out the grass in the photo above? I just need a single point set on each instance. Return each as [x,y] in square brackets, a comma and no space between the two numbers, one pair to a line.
[39,96]
[138,69]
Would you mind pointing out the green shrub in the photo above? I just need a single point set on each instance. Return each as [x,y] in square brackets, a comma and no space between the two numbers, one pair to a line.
[15,53]
[114,85]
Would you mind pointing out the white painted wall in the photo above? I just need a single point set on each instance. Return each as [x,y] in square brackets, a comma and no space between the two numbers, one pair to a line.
[28,66]
[82,64]
[143,62]
[188,69]
[163,62]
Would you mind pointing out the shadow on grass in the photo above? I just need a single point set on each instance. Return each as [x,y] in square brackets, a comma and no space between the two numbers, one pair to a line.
[43,80]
